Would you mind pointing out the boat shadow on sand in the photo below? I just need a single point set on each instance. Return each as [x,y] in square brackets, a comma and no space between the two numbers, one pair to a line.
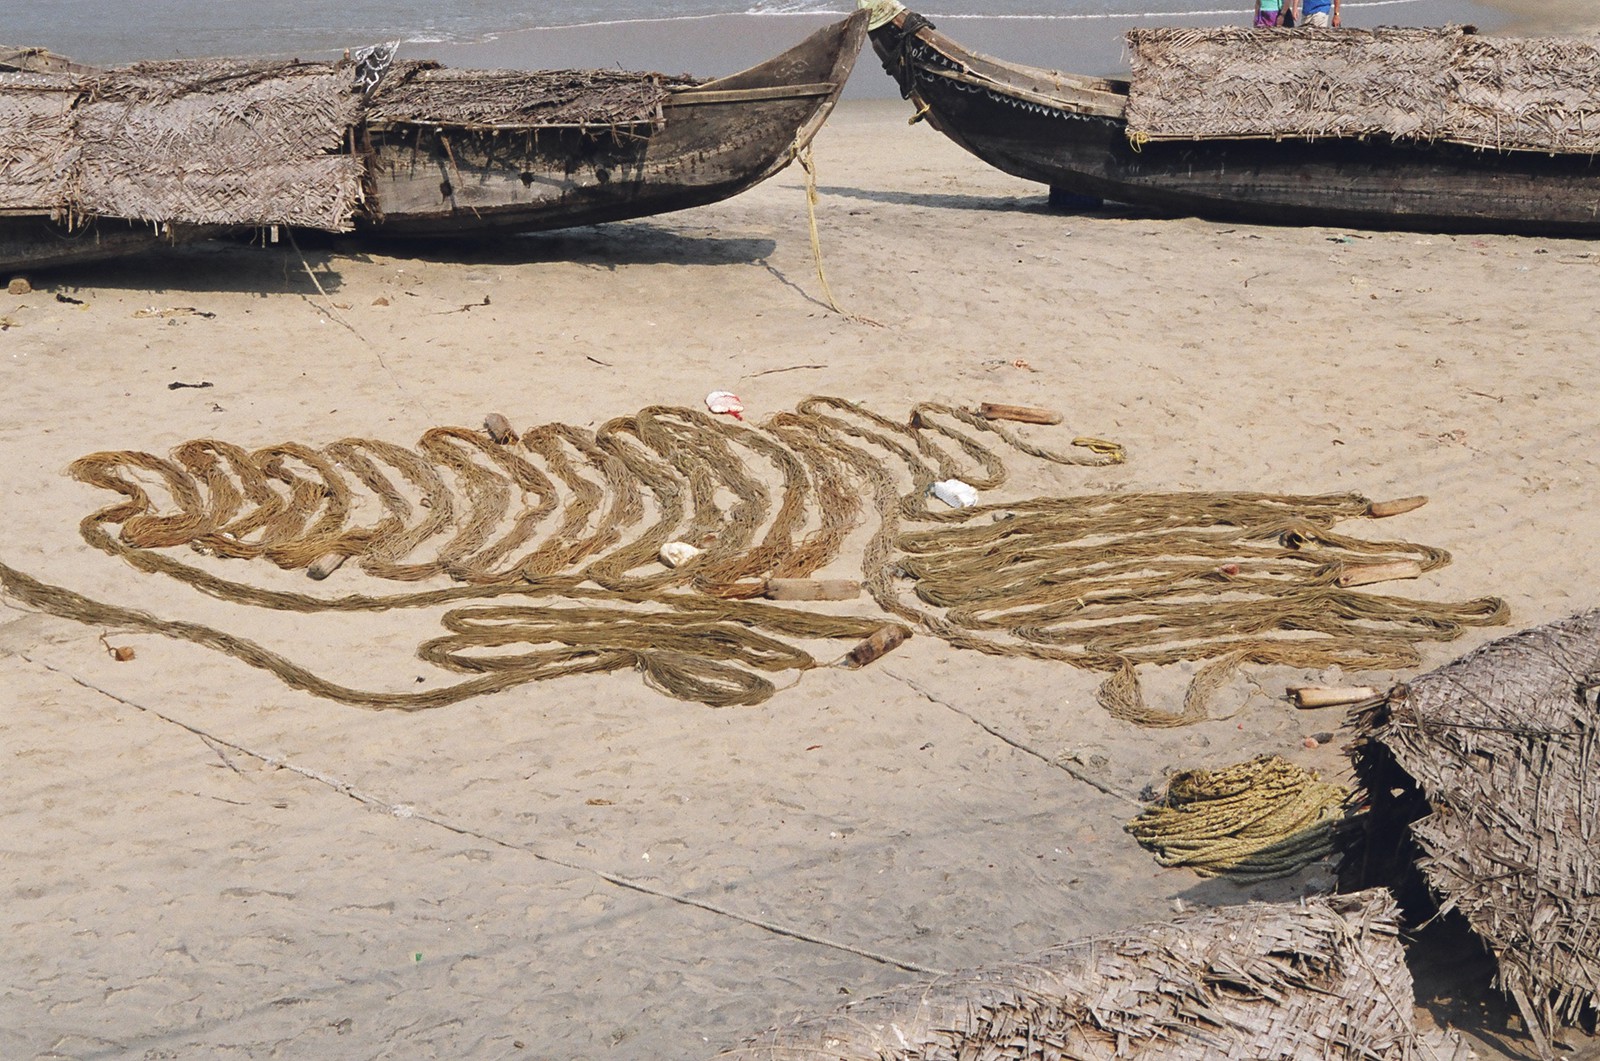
[606,246]
[246,266]
[1039,203]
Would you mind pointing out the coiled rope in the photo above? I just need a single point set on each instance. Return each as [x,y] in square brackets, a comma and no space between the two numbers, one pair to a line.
[576,519]
[1253,821]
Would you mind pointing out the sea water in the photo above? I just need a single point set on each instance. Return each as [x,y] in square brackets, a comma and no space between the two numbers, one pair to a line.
[114,31]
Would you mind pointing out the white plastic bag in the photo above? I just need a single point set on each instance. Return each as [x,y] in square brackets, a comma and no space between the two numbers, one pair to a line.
[954,493]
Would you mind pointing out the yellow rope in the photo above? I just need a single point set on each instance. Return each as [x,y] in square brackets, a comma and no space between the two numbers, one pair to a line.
[1253,821]
[809,166]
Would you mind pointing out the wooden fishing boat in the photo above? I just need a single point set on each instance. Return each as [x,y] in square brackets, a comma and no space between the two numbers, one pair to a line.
[410,150]
[16,59]
[1073,134]
[434,172]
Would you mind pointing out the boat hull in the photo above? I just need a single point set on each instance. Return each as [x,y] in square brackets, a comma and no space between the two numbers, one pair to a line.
[710,142]
[34,241]
[1355,183]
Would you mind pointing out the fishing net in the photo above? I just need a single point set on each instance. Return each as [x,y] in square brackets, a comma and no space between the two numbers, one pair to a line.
[571,522]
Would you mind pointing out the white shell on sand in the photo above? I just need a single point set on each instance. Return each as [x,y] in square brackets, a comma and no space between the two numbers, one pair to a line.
[676,554]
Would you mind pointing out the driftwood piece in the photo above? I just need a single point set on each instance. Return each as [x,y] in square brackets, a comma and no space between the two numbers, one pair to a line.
[1385,509]
[1370,574]
[883,641]
[1022,414]
[1490,767]
[1323,979]
[1305,696]
[326,565]
[792,589]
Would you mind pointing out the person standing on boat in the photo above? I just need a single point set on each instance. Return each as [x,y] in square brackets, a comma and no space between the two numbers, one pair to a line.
[1319,14]
[1269,13]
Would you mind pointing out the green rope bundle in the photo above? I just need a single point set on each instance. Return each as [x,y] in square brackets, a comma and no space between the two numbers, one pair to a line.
[1252,821]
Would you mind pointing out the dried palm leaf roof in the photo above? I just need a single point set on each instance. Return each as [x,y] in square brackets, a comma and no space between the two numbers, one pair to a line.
[1449,84]
[221,142]
[240,142]
[1324,979]
[38,152]
[424,93]
[1499,753]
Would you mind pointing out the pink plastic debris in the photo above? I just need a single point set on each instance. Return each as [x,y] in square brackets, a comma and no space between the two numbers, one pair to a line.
[725,402]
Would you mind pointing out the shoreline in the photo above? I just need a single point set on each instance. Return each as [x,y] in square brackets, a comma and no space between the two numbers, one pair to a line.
[1554,17]
[718,45]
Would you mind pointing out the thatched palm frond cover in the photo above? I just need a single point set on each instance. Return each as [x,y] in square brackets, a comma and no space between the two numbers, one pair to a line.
[1528,94]
[1504,747]
[205,142]
[1325,979]
[423,93]
[236,142]
[38,152]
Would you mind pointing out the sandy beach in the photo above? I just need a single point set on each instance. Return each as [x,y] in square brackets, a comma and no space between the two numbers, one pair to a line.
[1561,16]
[201,862]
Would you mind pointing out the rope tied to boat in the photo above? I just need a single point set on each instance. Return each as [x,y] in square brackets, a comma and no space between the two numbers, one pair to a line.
[898,62]
[1253,821]
[808,164]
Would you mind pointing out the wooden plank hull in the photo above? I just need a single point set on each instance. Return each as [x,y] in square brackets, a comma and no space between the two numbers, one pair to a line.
[1067,133]
[34,241]
[710,142]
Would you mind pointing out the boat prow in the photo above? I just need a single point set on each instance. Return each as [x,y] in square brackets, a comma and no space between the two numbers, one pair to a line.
[705,143]
[22,59]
